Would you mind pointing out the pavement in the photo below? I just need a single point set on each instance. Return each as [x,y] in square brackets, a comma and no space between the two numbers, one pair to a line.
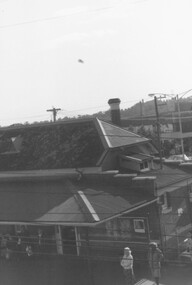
[173,274]
[54,270]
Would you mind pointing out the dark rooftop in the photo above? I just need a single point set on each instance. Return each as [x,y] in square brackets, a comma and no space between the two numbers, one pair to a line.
[64,144]
[50,146]
[170,174]
[63,202]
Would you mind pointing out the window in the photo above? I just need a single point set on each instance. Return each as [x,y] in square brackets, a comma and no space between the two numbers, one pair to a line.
[20,228]
[165,201]
[139,225]
[120,227]
[144,166]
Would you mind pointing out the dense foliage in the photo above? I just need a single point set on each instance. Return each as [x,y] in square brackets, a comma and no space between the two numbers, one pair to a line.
[50,147]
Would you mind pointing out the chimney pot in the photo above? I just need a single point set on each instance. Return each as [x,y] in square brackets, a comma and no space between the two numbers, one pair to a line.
[115,111]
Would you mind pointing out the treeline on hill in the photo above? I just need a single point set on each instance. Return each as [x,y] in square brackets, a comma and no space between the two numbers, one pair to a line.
[137,110]
[145,109]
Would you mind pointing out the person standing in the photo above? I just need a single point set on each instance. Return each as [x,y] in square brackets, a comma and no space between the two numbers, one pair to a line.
[155,257]
[127,264]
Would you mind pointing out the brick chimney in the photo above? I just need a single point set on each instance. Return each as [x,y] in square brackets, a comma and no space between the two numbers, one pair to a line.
[115,111]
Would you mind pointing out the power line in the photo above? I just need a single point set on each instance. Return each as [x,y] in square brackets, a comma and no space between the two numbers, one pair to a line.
[77,213]
[62,111]
[66,111]
[53,18]
[105,249]
[34,240]
[96,107]
[152,118]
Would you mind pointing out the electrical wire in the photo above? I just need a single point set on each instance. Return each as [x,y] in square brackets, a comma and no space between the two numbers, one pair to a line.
[132,135]
[84,243]
[170,215]
[49,243]
[113,233]
[152,117]
[101,106]
[100,193]
[38,20]
[96,107]
[54,18]
[62,111]
[106,255]
[80,214]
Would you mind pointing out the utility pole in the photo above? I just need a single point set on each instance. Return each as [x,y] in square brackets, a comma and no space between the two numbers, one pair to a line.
[141,111]
[54,111]
[158,131]
[177,97]
[180,127]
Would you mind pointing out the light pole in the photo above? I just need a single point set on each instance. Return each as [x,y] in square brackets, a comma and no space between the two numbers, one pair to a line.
[178,98]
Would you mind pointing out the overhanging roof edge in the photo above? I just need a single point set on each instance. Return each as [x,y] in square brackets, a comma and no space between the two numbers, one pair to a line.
[125,212]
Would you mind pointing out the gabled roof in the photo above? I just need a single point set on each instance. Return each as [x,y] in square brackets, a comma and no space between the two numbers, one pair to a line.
[114,136]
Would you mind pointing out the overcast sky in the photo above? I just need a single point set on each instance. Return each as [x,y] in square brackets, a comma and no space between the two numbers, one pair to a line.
[129,48]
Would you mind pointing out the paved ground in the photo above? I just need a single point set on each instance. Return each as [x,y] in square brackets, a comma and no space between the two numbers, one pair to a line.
[171,275]
[44,271]
[62,271]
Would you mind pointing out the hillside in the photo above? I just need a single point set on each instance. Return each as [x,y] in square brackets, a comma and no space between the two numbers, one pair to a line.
[147,109]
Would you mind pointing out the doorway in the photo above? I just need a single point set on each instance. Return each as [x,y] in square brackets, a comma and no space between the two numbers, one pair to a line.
[69,240]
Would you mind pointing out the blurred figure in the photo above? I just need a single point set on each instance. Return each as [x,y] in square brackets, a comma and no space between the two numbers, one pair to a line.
[127,264]
[188,243]
[29,250]
[155,257]
[40,234]
[5,250]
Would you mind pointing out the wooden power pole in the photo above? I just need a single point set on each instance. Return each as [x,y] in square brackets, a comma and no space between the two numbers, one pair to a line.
[54,111]
[158,131]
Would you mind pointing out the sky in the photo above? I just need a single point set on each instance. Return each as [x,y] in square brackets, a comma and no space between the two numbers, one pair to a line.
[127,49]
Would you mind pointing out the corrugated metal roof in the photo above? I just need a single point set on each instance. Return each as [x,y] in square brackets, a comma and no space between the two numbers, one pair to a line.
[107,205]
[169,175]
[59,202]
[117,137]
